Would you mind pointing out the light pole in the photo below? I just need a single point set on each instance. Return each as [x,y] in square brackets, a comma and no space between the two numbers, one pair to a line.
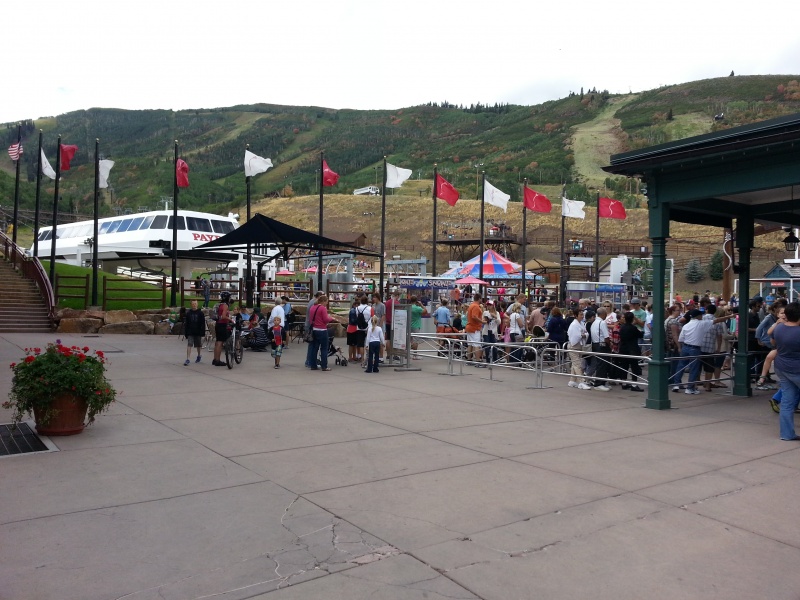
[477,189]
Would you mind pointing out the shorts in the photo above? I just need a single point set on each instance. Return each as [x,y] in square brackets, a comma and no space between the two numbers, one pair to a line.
[195,341]
[352,339]
[708,364]
[388,333]
[221,329]
[277,351]
[474,339]
[361,338]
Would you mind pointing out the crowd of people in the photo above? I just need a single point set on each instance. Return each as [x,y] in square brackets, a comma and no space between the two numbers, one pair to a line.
[605,345]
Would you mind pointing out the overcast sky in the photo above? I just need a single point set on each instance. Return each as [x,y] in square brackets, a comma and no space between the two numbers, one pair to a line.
[373,54]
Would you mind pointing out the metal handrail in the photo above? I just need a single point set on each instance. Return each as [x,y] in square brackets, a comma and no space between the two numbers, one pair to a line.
[32,269]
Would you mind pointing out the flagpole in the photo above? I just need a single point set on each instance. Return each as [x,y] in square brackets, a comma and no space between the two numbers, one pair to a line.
[483,206]
[16,184]
[174,284]
[383,226]
[36,206]
[249,279]
[597,242]
[321,196]
[55,216]
[562,287]
[433,260]
[96,217]
[524,238]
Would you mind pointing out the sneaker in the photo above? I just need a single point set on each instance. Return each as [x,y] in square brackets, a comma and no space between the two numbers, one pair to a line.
[691,392]
[602,388]
[676,388]
[197,360]
[584,386]
[763,386]
[636,388]
[775,406]
[186,362]
[572,384]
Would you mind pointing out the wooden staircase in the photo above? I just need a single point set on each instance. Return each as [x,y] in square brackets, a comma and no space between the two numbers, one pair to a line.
[22,308]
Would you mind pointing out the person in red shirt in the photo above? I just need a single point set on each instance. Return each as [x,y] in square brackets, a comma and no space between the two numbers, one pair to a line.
[473,329]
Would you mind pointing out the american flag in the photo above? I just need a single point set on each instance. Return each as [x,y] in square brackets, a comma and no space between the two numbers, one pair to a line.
[14,150]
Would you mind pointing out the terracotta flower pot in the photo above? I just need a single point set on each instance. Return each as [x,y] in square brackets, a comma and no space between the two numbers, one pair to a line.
[68,418]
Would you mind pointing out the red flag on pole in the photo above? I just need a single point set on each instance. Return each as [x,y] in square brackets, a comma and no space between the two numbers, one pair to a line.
[536,202]
[329,178]
[182,173]
[67,152]
[446,191]
[611,209]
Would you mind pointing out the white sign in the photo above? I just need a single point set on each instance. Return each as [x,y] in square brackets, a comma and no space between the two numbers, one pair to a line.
[399,328]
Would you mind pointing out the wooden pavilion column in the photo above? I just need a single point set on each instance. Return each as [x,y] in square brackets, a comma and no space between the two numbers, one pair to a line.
[658,370]
[744,244]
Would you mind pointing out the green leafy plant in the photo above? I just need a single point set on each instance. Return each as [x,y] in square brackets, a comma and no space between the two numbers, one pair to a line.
[44,375]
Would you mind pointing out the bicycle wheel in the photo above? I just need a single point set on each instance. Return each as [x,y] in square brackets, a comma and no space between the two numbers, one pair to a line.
[238,349]
[229,352]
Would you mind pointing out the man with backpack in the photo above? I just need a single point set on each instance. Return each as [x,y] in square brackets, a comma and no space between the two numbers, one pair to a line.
[363,314]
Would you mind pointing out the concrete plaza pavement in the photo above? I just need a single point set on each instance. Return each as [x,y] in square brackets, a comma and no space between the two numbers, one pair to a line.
[203,482]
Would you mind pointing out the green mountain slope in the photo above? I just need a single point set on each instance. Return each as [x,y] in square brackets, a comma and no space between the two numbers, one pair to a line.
[557,142]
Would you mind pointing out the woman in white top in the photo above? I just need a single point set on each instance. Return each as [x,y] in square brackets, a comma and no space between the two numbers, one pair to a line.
[375,341]
[517,330]
[491,321]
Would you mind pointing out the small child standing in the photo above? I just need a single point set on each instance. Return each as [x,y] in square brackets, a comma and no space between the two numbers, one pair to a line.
[277,341]
[375,340]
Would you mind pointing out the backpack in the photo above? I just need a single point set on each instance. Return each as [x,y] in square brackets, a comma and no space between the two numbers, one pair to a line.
[361,320]
[352,319]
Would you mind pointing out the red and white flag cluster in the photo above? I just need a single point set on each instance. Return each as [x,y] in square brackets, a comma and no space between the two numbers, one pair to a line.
[15,150]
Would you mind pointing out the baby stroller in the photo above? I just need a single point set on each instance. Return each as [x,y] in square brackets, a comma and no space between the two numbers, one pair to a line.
[337,352]
[334,350]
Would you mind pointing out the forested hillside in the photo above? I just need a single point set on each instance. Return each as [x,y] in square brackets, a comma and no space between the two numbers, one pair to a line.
[508,142]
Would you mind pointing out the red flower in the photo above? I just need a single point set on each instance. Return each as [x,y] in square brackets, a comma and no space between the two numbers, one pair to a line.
[37,350]
[30,359]
[100,353]
[13,365]
[86,348]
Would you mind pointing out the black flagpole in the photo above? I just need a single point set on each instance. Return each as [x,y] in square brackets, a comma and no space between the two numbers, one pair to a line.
[597,242]
[174,284]
[383,228]
[96,217]
[561,283]
[16,184]
[433,261]
[524,238]
[321,203]
[249,279]
[38,192]
[483,206]
[55,216]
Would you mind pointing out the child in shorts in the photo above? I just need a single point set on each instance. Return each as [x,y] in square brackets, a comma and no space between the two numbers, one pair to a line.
[277,341]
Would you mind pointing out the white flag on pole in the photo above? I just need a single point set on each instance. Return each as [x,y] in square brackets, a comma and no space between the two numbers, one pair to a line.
[572,208]
[395,176]
[254,164]
[104,169]
[493,196]
[46,168]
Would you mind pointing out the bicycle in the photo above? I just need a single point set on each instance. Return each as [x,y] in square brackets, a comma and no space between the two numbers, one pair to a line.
[234,350]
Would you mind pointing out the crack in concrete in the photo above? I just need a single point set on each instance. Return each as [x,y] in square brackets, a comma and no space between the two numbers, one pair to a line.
[722,495]
[327,548]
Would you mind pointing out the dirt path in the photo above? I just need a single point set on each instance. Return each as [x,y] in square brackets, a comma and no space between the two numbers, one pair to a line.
[595,141]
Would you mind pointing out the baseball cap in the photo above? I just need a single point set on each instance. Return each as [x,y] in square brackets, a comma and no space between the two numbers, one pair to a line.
[635,301]
[693,314]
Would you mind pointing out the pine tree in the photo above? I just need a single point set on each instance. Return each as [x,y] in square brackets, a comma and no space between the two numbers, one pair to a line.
[694,272]
[715,266]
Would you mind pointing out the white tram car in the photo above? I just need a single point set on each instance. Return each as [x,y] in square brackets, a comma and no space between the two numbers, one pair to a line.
[143,241]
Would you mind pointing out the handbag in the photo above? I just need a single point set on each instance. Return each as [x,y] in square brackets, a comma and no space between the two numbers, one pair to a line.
[308,336]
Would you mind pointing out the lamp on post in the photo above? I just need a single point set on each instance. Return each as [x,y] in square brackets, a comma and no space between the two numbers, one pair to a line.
[477,189]
[791,241]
